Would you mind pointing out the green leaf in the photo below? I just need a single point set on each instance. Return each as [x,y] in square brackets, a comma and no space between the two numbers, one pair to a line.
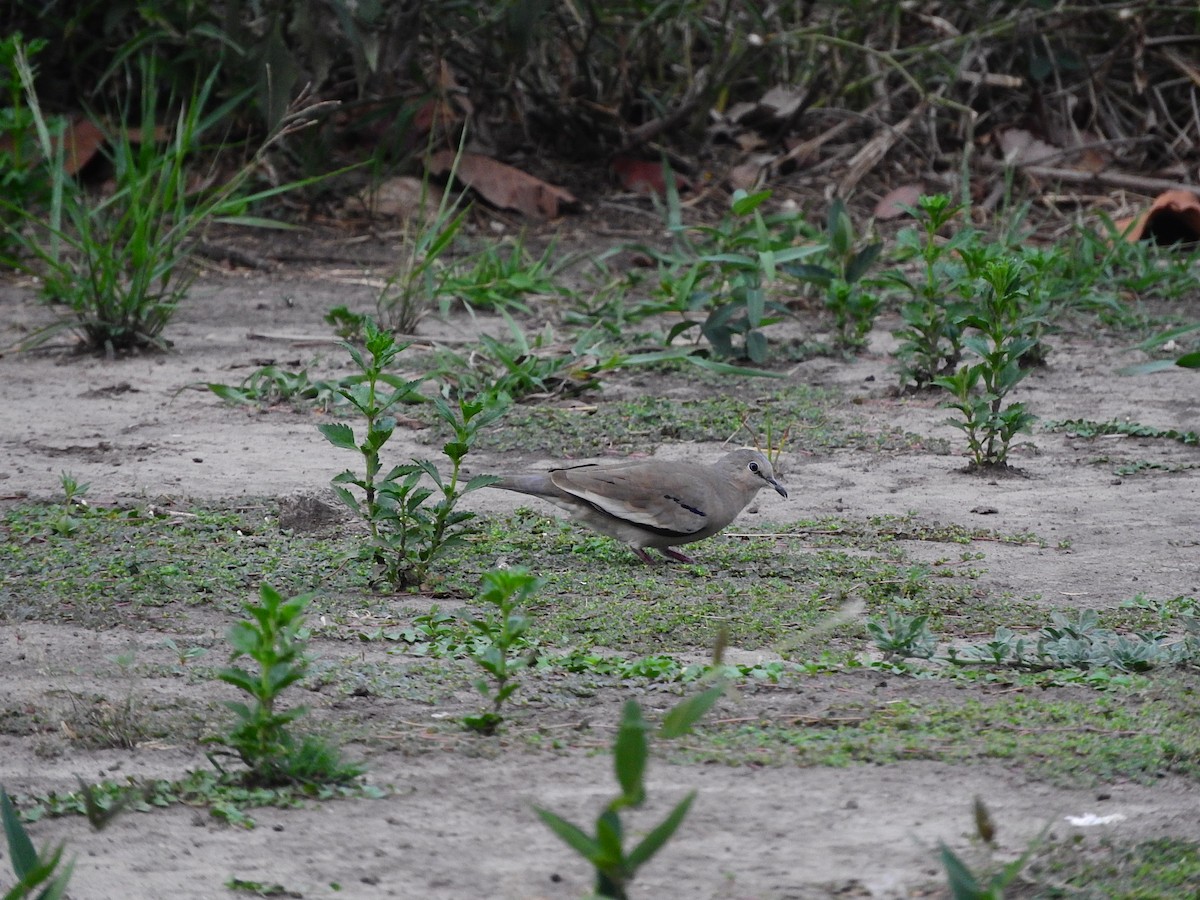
[571,835]
[608,839]
[862,261]
[245,638]
[963,884]
[630,753]
[480,481]
[654,841]
[790,254]
[339,434]
[744,203]
[256,222]
[230,394]
[756,347]
[20,848]
[687,712]
[810,272]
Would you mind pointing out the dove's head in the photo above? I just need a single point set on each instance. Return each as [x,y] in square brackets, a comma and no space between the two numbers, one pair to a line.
[751,470]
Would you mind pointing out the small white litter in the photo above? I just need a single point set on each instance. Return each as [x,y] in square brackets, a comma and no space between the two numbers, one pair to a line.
[1090,820]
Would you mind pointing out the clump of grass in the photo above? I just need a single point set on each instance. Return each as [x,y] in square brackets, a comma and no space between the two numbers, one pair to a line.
[118,263]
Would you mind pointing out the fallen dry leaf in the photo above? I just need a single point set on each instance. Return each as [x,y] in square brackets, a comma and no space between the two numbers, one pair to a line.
[749,175]
[502,185]
[1019,146]
[1173,217]
[891,205]
[402,198]
[645,177]
[81,141]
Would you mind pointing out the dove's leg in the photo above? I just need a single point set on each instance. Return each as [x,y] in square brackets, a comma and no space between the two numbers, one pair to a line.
[643,555]
[676,555]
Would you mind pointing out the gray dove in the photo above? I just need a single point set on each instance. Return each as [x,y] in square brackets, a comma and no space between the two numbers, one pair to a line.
[653,503]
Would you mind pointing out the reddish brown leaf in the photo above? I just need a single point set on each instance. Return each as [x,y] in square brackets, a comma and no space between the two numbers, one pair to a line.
[891,205]
[81,142]
[503,186]
[645,177]
[1174,216]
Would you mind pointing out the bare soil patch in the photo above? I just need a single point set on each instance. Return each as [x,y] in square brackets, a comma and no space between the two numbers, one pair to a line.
[457,821]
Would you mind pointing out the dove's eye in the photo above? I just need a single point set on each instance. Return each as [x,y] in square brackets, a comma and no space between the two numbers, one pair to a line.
[753,467]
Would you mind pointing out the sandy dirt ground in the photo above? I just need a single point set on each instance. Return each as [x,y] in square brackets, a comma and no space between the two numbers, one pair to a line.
[458,825]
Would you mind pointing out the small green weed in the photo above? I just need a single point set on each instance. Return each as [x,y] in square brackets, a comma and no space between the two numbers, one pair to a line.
[521,367]
[727,272]
[409,290]
[616,866]
[67,523]
[504,650]
[226,799]
[39,875]
[501,276]
[407,537]
[847,259]
[991,881]
[274,638]
[1088,428]
[931,338]
[1004,333]
[347,325]
[903,637]
[272,385]
[258,888]
[1069,642]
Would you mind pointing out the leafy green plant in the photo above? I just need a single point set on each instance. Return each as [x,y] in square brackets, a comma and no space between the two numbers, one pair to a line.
[523,367]
[1004,333]
[500,276]
[406,535]
[274,638]
[902,637]
[931,337]
[991,883]
[728,272]
[1089,428]
[271,385]
[605,850]
[505,650]
[227,799]
[39,875]
[117,263]
[346,324]
[1079,642]
[846,260]
[66,522]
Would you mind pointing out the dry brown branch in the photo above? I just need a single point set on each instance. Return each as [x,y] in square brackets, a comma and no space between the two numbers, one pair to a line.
[874,150]
[1141,183]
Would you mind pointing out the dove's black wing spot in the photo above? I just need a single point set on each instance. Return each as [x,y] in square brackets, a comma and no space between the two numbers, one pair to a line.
[691,509]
